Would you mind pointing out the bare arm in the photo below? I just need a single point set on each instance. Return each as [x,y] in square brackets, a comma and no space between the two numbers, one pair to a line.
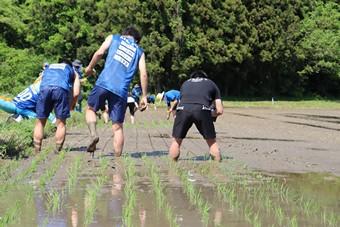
[98,55]
[143,81]
[219,107]
[76,90]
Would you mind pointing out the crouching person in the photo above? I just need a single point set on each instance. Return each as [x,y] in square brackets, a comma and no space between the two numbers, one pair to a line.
[197,95]
[58,82]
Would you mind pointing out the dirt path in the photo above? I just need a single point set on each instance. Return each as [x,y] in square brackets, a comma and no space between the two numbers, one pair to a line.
[264,139]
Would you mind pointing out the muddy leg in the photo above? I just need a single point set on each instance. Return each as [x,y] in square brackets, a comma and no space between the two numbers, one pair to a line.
[118,138]
[60,134]
[174,150]
[214,150]
[38,134]
[91,120]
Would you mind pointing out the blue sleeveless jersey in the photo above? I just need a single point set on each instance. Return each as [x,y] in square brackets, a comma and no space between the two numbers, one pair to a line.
[27,99]
[171,96]
[58,75]
[120,65]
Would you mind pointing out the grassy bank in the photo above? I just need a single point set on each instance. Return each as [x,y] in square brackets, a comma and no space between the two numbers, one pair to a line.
[16,138]
[283,103]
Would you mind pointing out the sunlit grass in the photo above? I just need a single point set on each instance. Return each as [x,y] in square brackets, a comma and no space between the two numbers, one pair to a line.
[282,104]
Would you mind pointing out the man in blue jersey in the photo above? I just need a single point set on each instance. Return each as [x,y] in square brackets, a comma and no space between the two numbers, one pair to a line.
[59,81]
[124,57]
[24,104]
[171,98]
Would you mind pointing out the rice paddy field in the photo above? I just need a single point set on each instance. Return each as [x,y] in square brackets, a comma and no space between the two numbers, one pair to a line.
[281,167]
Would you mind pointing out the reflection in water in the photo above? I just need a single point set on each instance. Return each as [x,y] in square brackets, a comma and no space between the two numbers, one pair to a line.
[142,216]
[74,217]
[218,217]
[116,204]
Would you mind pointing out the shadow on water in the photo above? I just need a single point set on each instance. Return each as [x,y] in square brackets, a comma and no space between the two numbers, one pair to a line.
[206,157]
[322,118]
[312,125]
[259,138]
[247,115]
[148,154]
[79,149]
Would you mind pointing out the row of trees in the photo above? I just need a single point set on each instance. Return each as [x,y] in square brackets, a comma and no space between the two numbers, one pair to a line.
[248,47]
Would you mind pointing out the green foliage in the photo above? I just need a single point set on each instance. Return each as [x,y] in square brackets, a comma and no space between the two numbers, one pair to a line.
[249,48]
[19,68]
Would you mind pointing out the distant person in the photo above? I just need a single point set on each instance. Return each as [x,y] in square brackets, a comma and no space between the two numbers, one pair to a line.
[78,66]
[58,82]
[136,92]
[124,57]
[197,96]
[23,106]
[151,99]
[133,107]
[171,99]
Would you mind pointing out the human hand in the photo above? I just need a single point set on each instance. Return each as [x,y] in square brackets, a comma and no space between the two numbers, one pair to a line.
[90,71]
[143,104]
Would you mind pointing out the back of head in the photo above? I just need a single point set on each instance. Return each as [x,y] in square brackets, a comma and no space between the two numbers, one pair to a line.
[66,61]
[77,65]
[198,74]
[132,31]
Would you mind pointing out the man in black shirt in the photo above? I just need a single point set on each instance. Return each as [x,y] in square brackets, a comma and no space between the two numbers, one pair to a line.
[197,96]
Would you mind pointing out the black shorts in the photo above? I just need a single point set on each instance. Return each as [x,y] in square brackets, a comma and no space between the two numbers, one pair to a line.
[201,118]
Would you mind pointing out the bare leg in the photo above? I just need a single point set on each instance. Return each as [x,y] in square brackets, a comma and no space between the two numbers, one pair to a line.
[132,119]
[60,134]
[174,150]
[105,117]
[118,138]
[38,134]
[91,120]
[214,150]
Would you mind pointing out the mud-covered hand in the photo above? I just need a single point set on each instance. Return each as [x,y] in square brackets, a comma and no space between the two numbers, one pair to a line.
[143,104]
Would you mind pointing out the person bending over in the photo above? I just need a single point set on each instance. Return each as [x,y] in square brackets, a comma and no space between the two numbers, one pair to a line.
[59,81]
[171,98]
[196,98]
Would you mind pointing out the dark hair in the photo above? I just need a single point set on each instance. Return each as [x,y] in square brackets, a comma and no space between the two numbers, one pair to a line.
[66,61]
[132,31]
[198,74]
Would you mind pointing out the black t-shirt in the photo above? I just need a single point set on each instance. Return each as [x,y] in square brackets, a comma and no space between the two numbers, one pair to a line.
[200,91]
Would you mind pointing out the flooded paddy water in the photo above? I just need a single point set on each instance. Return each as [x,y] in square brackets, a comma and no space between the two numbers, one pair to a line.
[250,187]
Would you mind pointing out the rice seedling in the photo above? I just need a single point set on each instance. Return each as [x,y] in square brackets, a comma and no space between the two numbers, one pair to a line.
[158,188]
[93,190]
[194,195]
[293,222]
[34,164]
[47,176]
[11,215]
[54,199]
[129,191]
[73,172]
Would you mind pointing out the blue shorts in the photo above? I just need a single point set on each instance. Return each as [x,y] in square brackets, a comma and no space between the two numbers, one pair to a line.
[55,98]
[117,105]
